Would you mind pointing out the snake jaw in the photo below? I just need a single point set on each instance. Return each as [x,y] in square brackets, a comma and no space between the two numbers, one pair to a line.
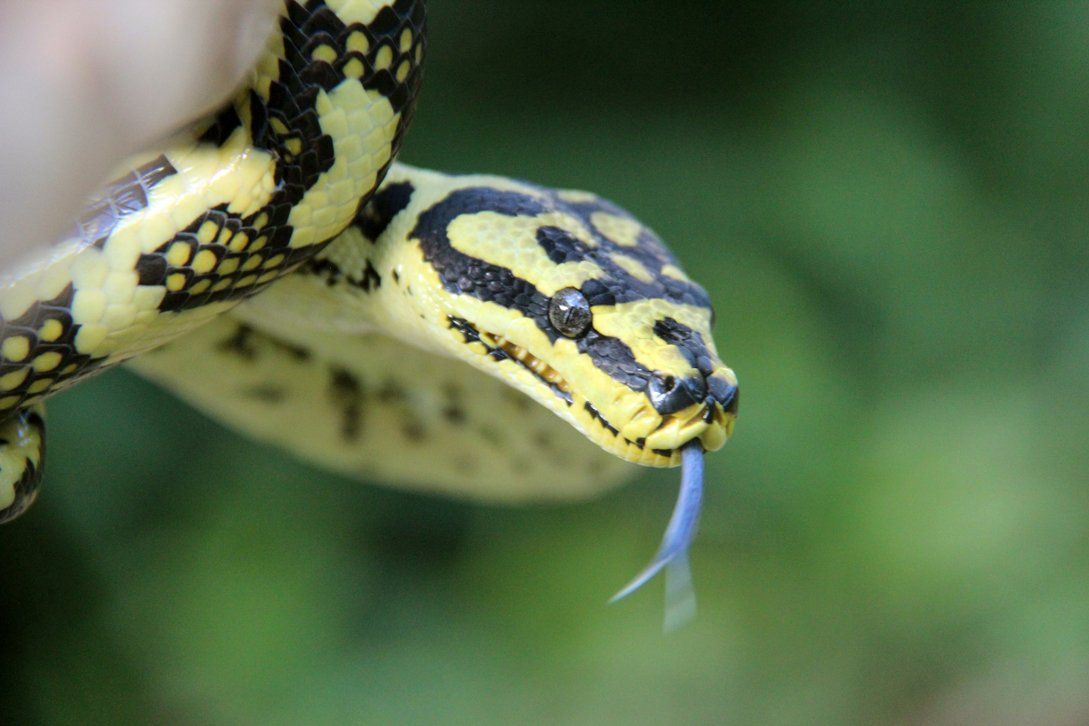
[626,425]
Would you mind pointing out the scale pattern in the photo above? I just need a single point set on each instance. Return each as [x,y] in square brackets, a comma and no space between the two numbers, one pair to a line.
[224,209]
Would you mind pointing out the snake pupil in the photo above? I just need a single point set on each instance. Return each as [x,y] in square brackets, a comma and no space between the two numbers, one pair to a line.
[569,312]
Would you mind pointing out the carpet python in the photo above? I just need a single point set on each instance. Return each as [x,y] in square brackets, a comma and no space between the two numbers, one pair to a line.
[468,334]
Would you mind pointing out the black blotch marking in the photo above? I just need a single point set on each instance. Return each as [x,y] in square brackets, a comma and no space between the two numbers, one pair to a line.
[391,393]
[240,343]
[371,279]
[333,274]
[453,406]
[264,392]
[592,410]
[386,204]
[543,440]
[454,414]
[414,431]
[689,342]
[491,435]
[561,246]
[347,393]
[614,357]
[226,122]
[72,364]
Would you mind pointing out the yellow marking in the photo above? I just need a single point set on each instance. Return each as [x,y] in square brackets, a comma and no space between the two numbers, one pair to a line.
[54,279]
[274,261]
[354,68]
[576,196]
[50,331]
[633,323]
[511,242]
[259,243]
[251,262]
[69,369]
[207,232]
[7,402]
[633,267]
[675,272]
[358,43]
[270,275]
[262,218]
[406,40]
[225,236]
[227,266]
[124,246]
[278,126]
[15,348]
[120,286]
[239,242]
[348,114]
[356,11]
[16,300]
[200,287]
[294,145]
[246,281]
[40,385]
[119,317]
[88,306]
[419,54]
[384,58]
[234,173]
[324,53]
[402,71]
[178,254]
[221,285]
[204,261]
[90,337]
[46,361]
[621,230]
[175,282]
[88,269]
[13,379]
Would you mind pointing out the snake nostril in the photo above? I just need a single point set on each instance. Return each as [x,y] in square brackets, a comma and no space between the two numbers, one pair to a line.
[669,394]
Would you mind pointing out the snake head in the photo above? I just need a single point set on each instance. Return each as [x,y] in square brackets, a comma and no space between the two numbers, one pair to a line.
[563,295]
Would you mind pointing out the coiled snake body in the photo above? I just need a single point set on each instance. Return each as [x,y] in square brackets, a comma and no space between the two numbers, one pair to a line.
[398,278]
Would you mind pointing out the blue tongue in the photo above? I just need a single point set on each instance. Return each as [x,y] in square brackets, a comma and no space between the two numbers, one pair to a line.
[680,598]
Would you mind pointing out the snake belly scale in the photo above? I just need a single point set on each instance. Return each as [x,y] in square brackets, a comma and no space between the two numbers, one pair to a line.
[407,320]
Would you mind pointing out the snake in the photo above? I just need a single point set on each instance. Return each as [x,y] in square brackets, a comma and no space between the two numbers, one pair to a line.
[274,265]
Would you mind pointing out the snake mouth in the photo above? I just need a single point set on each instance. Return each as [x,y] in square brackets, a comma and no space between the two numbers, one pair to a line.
[498,348]
[707,423]
[647,437]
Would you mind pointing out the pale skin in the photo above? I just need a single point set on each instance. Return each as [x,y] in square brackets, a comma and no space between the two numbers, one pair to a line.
[88,82]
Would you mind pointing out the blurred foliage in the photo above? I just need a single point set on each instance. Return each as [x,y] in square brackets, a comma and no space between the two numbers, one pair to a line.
[889,206]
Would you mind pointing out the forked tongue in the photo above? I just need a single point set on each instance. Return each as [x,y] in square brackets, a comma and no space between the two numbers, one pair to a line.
[680,598]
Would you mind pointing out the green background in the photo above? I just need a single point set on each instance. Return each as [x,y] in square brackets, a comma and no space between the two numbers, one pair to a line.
[889,207]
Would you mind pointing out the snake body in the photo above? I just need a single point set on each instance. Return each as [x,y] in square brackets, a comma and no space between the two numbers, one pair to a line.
[423,313]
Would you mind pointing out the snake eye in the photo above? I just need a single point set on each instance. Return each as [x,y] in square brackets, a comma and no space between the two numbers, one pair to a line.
[569,312]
